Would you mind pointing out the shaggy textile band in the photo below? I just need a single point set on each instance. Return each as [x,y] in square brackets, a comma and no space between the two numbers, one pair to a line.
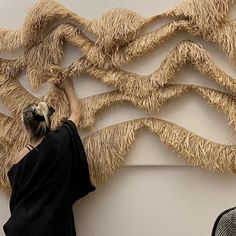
[119,39]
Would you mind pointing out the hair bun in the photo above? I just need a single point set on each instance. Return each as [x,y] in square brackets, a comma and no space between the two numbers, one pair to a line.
[41,109]
[36,119]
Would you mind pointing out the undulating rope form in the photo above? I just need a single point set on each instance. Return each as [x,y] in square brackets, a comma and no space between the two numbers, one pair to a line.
[42,18]
[15,97]
[37,21]
[12,135]
[109,28]
[119,28]
[209,19]
[4,182]
[8,127]
[12,128]
[203,15]
[39,57]
[136,85]
[118,40]
[97,103]
[11,91]
[93,105]
[146,92]
[107,148]
[184,53]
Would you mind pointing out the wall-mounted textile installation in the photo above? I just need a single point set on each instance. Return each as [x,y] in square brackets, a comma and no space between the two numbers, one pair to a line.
[118,40]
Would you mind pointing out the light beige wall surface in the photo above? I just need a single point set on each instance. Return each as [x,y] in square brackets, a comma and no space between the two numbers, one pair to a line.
[156,193]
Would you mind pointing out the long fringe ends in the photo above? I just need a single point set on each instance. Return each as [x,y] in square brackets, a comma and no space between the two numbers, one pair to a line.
[118,40]
[107,148]
[91,106]
[119,28]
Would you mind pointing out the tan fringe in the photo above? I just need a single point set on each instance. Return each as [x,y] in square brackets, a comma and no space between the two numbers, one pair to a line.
[118,41]
[194,149]
[11,129]
[130,83]
[115,27]
[12,68]
[147,42]
[106,149]
[118,28]
[139,47]
[209,19]
[203,14]
[38,65]
[38,58]
[92,106]
[12,91]
[185,52]
[4,181]
[15,97]
[39,20]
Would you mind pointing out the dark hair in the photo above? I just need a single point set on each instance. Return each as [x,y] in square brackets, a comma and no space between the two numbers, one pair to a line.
[36,119]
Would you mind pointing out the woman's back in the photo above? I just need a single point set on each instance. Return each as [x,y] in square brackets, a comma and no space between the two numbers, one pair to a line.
[46,182]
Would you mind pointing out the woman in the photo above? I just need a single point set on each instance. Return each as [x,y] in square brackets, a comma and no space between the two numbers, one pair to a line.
[49,174]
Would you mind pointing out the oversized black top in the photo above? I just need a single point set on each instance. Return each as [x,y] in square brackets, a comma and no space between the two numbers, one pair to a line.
[46,182]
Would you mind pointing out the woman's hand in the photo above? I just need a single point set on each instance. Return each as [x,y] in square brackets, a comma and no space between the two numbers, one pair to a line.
[68,86]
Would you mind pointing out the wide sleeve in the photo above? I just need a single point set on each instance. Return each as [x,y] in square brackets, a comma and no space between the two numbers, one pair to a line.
[78,170]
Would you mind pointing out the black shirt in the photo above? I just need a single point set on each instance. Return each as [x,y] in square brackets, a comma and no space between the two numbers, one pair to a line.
[45,184]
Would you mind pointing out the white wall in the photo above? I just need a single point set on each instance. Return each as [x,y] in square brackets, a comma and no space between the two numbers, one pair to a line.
[156,193]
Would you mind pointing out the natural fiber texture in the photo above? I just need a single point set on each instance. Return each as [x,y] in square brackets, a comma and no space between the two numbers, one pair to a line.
[185,52]
[107,148]
[198,12]
[15,97]
[9,144]
[119,28]
[11,90]
[130,83]
[37,24]
[116,27]
[91,106]
[12,135]
[209,19]
[38,58]
[118,39]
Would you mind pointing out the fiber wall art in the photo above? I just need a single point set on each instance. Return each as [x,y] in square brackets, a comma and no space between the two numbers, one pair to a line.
[118,40]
